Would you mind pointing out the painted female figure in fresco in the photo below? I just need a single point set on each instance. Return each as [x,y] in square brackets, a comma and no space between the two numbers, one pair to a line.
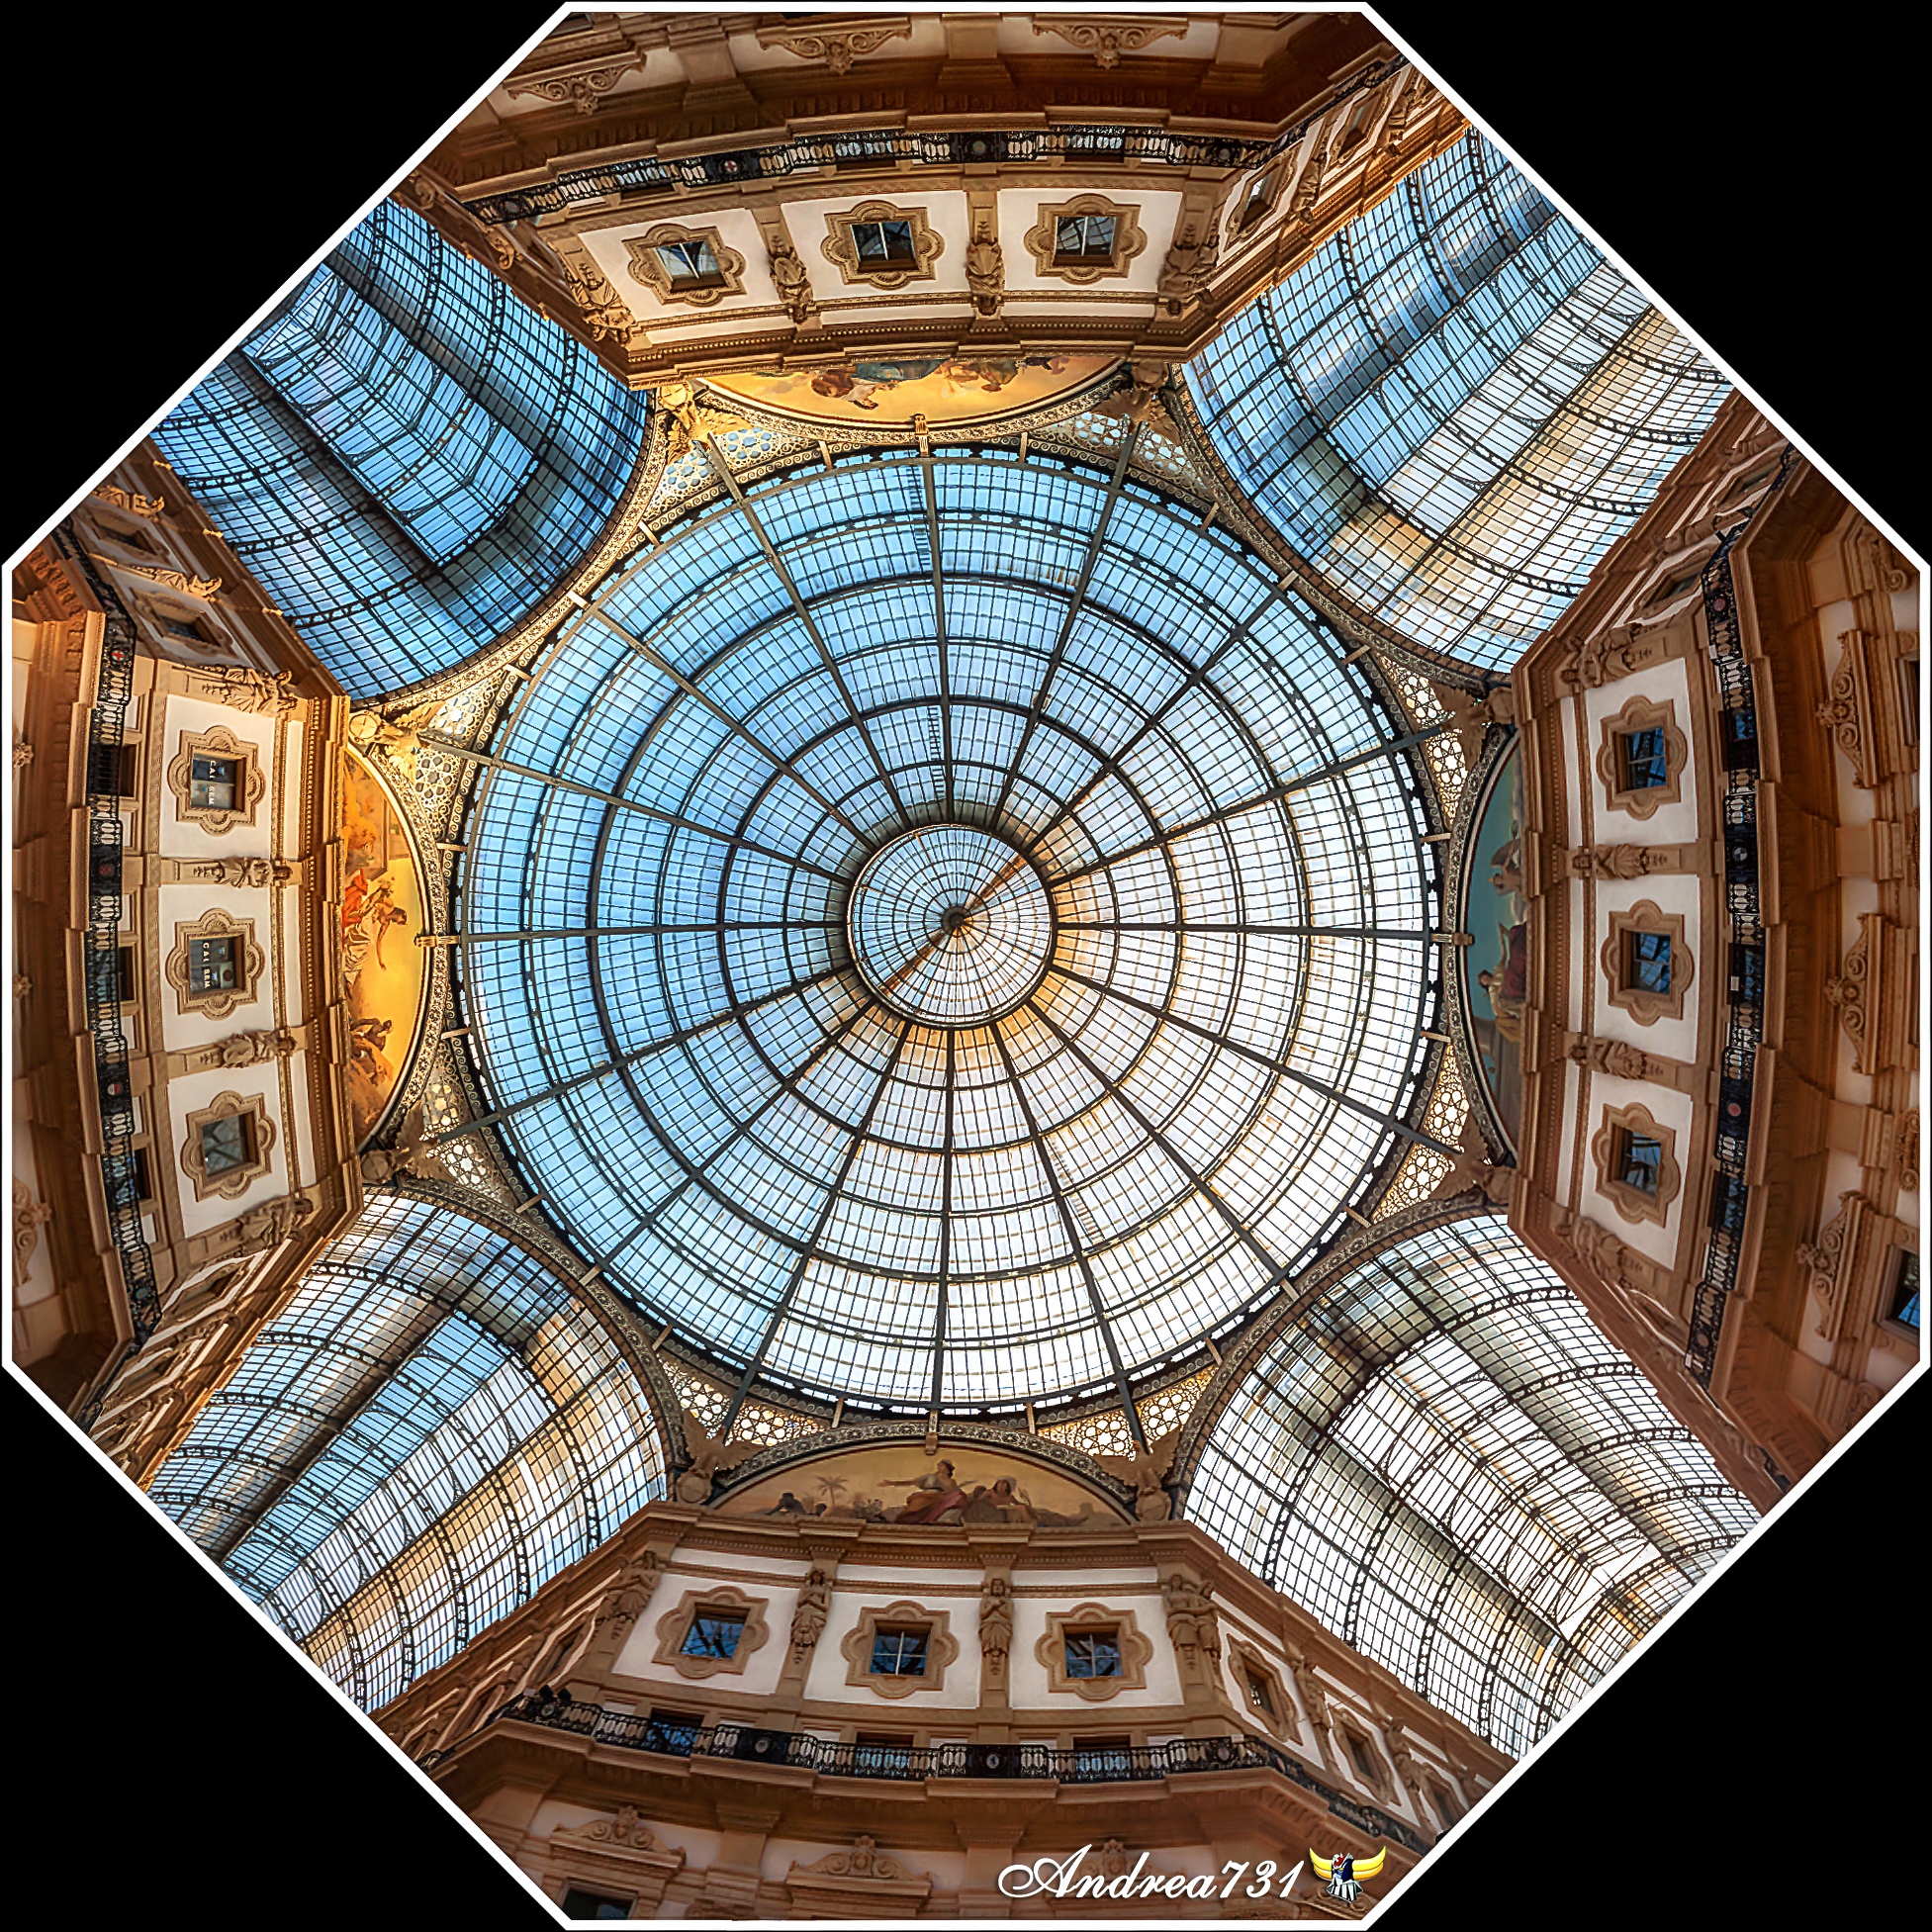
[940,1492]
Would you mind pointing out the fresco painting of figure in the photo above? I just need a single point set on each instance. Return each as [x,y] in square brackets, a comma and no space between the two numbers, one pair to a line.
[889,394]
[382,966]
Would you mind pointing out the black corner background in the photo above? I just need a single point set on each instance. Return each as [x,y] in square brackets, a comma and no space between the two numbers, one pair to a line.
[1760,186]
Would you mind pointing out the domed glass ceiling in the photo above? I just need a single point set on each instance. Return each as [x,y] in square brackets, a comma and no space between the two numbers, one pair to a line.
[947,931]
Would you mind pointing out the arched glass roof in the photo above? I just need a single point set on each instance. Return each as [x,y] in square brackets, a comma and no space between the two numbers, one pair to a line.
[1454,408]
[1447,1464]
[427,1431]
[947,931]
[407,455]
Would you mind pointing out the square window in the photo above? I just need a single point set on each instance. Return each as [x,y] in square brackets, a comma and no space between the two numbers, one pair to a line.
[212,964]
[1258,198]
[1080,238]
[1446,1808]
[689,265]
[1646,962]
[1358,1750]
[1641,760]
[1639,1160]
[899,1653]
[1093,1653]
[212,782]
[1258,1693]
[714,1633]
[227,1144]
[593,1904]
[884,245]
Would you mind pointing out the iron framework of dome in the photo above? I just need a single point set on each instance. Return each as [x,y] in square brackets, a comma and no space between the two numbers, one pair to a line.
[975,944]
[936,929]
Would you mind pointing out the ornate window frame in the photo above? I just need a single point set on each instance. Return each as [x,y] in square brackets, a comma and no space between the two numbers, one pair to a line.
[1380,1776]
[650,273]
[1136,1651]
[231,1182]
[1129,239]
[249,784]
[216,1002]
[841,247]
[1279,1722]
[1642,714]
[673,1626]
[942,1647]
[1643,1006]
[1632,1203]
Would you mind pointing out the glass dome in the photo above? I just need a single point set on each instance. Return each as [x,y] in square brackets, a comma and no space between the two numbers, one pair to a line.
[947,931]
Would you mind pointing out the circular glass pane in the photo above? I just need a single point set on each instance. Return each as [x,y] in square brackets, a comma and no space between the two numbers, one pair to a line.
[950,926]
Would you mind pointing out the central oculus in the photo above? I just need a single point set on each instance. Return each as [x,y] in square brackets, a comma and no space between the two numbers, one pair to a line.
[950,926]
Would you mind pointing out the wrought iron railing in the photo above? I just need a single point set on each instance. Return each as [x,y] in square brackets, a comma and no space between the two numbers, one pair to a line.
[884,146]
[101,961]
[1095,1763]
[1743,904]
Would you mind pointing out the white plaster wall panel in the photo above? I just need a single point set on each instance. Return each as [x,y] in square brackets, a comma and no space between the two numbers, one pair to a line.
[929,311]
[181,838]
[1560,748]
[737,230]
[1019,214]
[1582,995]
[1137,1577]
[1566,1142]
[181,904]
[1674,894]
[1675,824]
[856,1576]
[286,792]
[1668,1109]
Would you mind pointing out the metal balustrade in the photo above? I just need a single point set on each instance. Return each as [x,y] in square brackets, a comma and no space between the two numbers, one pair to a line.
[1093,1764]
[1160,147]
[1743,906]
[100,975]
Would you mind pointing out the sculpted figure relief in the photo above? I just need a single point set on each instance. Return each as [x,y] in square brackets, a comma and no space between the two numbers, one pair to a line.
[254,1049]
[995,1625]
